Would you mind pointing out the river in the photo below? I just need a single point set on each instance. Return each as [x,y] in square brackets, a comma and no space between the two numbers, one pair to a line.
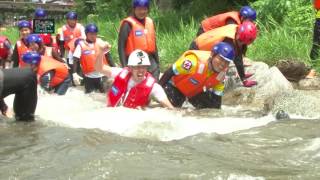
[77,137]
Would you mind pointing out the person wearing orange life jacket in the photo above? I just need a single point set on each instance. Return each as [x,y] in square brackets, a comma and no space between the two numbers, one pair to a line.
[5,51]
[34,43]
[71,30]
[137,32]
[53,76]
[239,36]
[86,54]
[233,17]
[198,76]
[20,47]
[314,54]
[133,86]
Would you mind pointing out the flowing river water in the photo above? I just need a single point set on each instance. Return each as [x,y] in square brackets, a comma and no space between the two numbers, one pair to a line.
[77,137]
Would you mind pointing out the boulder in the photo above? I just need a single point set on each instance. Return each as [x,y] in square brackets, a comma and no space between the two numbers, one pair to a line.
[309,84]
[271,83]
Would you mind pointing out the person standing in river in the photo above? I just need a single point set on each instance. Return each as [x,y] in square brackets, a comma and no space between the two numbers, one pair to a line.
[314,54]
[137,32]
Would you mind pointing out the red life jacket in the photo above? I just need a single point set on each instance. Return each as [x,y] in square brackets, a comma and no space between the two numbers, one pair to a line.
[138,96]
[316,4]
[220,20]
[208,39]
[46,39]
[71,33]
[193,84]
[141,36]
[48,64]
[88,57]
[22,48]
[4,51]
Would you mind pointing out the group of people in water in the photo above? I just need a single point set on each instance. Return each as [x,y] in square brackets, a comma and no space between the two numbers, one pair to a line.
[77,55]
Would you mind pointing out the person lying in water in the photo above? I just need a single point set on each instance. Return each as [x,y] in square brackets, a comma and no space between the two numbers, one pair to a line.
[133,86]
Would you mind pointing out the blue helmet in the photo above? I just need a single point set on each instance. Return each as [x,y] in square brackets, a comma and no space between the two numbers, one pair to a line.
[225,50]
[40,13]
[34,38]
[248,13]
[72,15]
[140,3]
[31,57]
[91,28]
[24,24]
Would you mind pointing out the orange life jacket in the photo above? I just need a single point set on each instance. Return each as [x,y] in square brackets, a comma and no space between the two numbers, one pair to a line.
[70,33]
[316,4]
[220,20]
[208,39]
[141,36]
[4,51]
[193,84]
[88,57]
[48,64]
[22,48]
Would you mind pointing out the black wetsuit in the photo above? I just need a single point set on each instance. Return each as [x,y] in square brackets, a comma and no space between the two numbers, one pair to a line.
[23,83]
[314,54]
[125,30]
[205,99]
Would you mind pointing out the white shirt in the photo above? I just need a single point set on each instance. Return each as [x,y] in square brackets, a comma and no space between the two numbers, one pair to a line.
[77,54]
[157,91]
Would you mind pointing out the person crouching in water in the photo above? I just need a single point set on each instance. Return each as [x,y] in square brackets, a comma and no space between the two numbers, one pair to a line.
[53,75]
[133,86]
[197,76]
[86,53]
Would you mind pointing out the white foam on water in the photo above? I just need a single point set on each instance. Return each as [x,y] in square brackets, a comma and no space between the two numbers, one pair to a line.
[77,110]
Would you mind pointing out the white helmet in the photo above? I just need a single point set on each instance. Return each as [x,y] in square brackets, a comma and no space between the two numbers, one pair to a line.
[138,58]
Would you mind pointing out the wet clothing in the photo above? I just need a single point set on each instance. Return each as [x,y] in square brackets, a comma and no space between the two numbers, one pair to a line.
[125,31]
[190,77]
[22,83]
[53,75]
[137,96]
[85,53]
[156,90]
[222,34]
[314,54]
[59,89]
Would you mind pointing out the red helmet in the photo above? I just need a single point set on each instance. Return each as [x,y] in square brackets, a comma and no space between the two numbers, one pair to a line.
[247,32]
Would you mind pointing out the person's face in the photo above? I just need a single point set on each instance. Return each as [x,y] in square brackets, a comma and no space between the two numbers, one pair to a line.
[71,22]
[24,32]
[141,12]
[34,46]
[91,37]
[219,64]
[138,72]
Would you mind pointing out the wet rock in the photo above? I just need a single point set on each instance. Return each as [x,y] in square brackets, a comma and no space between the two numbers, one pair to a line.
[293,70]
[271,83]
[282,115]
[309,84]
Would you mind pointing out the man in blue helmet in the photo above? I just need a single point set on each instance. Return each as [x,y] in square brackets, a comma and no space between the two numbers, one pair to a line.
[53,76]
[86,54]
[137,32]
[21,47]
[198,76]
[23,83]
